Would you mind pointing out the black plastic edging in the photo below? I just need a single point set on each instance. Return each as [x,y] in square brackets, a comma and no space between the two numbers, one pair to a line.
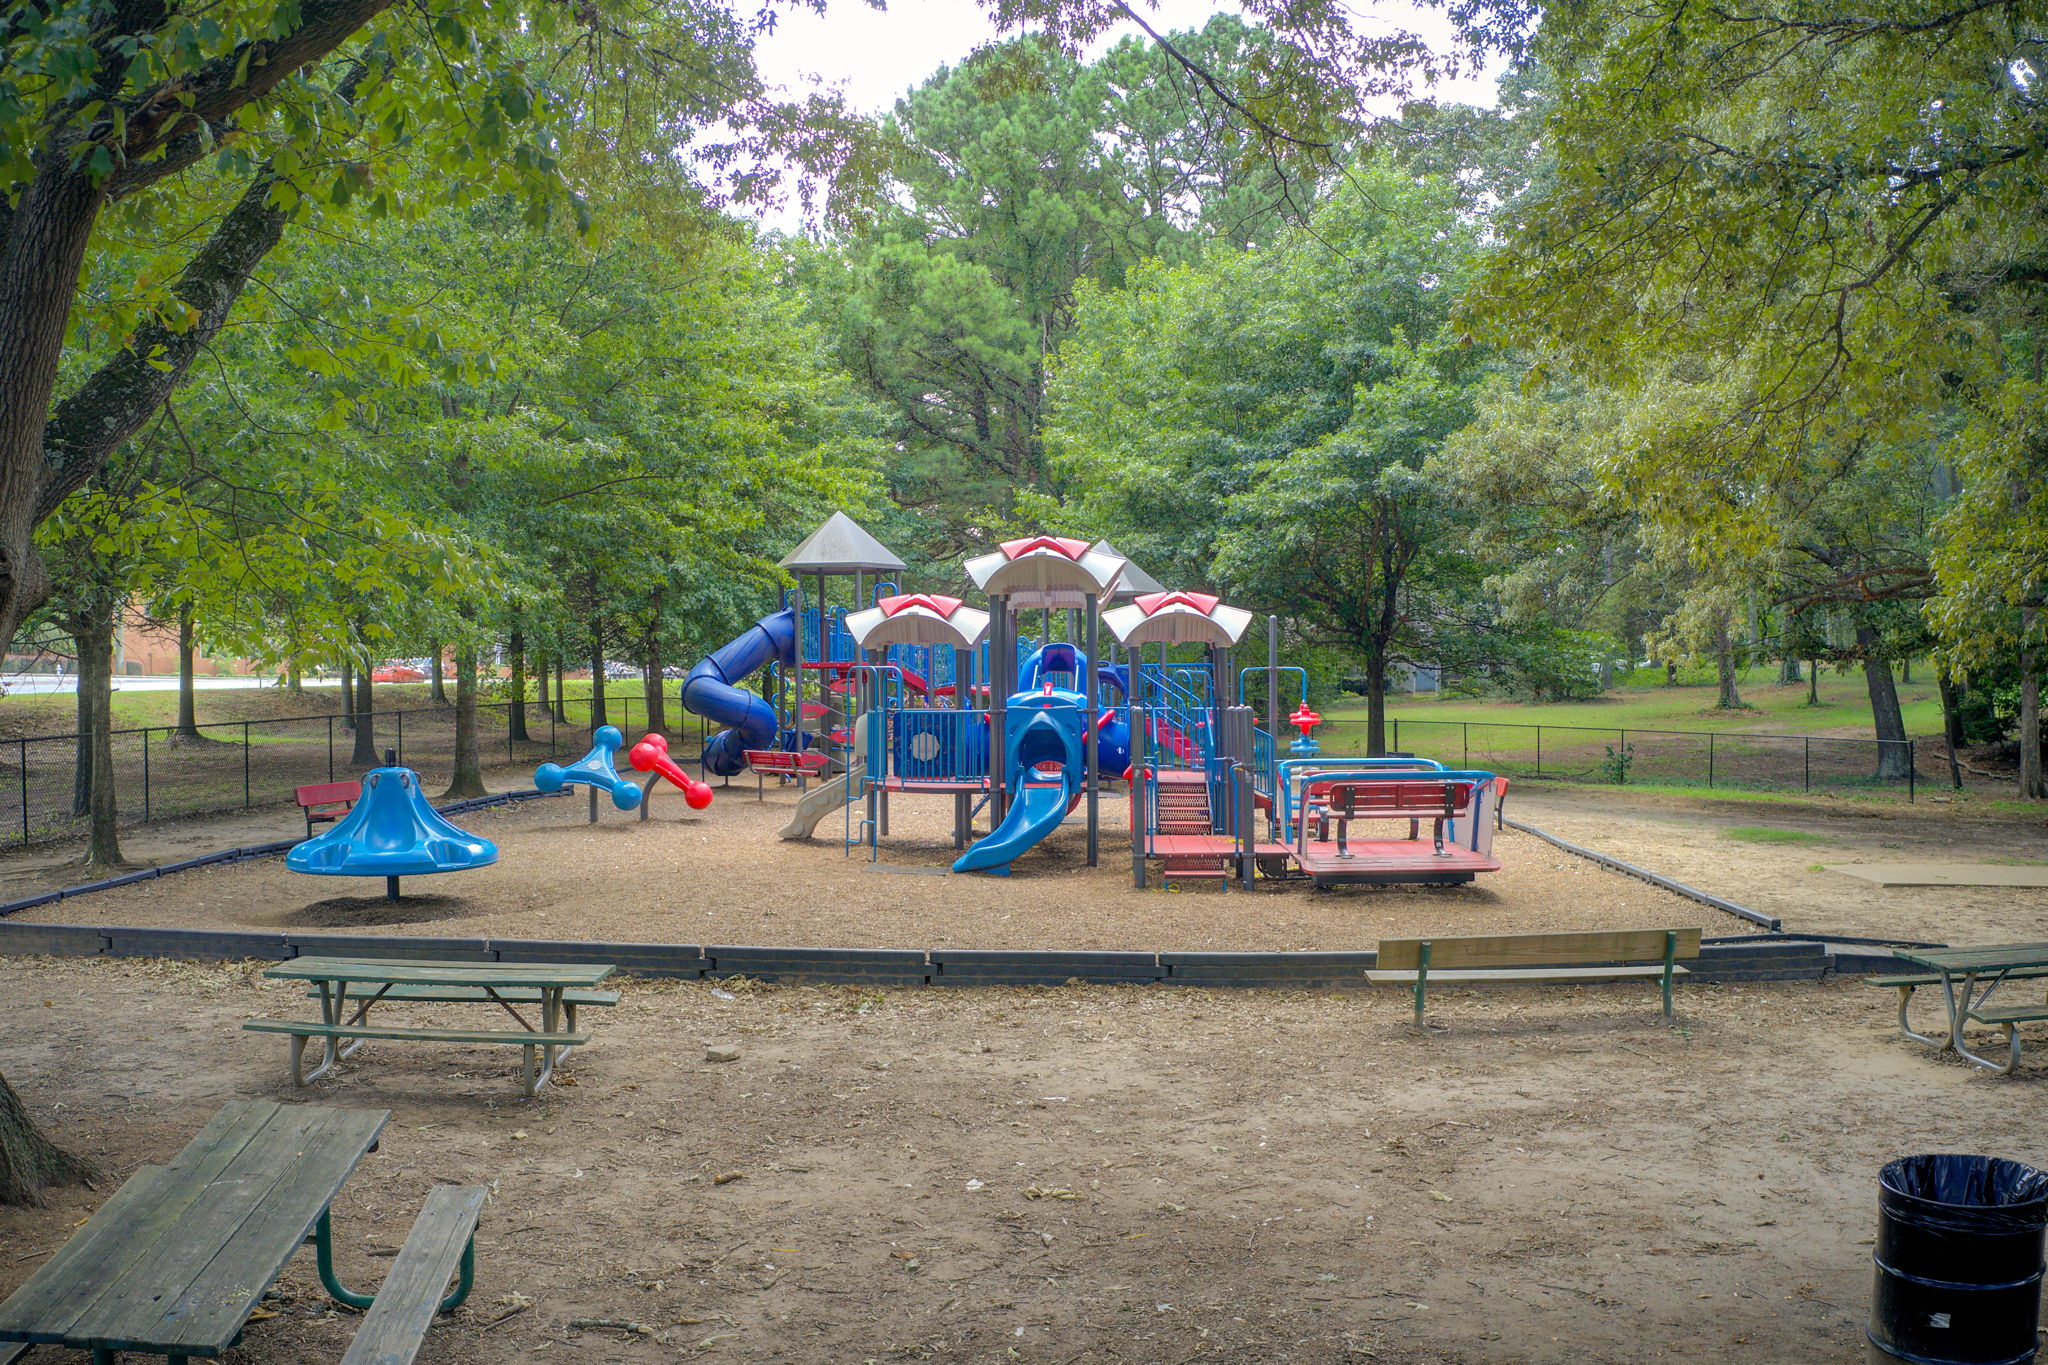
[236,855]
[1644,874]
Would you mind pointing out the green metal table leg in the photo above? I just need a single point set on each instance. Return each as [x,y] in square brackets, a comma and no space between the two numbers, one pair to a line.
[465,1279]
[323,1254]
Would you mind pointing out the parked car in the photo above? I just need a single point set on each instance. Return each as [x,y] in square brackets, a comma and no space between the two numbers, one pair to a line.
[397,671]
[616,669]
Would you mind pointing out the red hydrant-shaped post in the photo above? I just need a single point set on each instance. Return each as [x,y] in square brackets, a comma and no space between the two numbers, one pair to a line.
[1304,720]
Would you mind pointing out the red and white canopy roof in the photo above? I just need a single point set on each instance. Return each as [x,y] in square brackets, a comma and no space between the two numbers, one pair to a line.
[1178,618]
[1047,571]
[920,618]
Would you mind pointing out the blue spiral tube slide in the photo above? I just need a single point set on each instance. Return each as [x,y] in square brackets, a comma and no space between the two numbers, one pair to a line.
[712,691]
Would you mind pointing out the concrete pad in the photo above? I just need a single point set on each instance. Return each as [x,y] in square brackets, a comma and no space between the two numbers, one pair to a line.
[1946,874]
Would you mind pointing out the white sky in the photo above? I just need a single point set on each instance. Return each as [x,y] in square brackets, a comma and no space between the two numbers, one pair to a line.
[875,56]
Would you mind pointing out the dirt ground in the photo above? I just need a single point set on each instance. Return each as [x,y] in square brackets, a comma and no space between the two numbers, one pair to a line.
[1087,1174]
[1689,839]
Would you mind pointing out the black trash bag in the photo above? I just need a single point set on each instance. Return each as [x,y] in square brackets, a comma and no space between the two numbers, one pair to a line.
[1974,1196]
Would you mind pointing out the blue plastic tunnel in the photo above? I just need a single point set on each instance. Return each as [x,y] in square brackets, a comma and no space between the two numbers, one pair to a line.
[712,691]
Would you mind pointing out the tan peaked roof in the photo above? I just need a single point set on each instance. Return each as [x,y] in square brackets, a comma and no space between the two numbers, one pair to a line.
[1134,580]
[840,546]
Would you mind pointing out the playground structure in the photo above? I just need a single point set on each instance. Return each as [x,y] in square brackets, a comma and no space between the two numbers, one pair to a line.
[391,833]
[650,756]
[596,770]
[920,694]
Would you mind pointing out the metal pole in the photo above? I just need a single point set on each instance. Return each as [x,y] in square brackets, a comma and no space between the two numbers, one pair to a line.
[1710,760]
[1138,789]
[1464,725]
[1273,701]
[400,750]
[145,774]
[24,791]
[1539,751]
[1091,743]
[330,748]
[245,765]
[1002,660]
[1806,778]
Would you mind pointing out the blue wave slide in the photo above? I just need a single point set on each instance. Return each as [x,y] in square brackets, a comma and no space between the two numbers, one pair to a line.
[712,691]
[1044,764]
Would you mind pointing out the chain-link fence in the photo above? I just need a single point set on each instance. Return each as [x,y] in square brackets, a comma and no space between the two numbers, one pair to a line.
[241,765]
[1691,758]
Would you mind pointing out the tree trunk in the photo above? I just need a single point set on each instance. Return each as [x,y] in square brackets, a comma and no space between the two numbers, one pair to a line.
[30,1162]
[1788,669]
[1375,705]
[597,711]
[1894,754]
[1813,682]
[365,755]
[657,708]
[96,680]
[437,685]
[1724,666]
[1671,672]
[188,714]
[294,678]
[1906,670]
[2031,786]
[348,694]
[469,769]
[81,724]
[515,714]
[1951,725]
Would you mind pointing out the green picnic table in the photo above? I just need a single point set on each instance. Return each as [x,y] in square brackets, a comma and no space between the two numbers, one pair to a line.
[348,988]
[1967,977]
[176,1259]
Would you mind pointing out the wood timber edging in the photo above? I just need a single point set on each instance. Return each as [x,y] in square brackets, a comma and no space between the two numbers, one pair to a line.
[1756,957]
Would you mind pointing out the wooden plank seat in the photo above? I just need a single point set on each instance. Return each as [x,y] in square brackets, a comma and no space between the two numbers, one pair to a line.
[441,1244]
[326,801]
[1536,959]
[301,1031]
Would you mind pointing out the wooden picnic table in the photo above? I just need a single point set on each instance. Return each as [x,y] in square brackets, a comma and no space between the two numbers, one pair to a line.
[173,1263]
[349,987]
[1961,971]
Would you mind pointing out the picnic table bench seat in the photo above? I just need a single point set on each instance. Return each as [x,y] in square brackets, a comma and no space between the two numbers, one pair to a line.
[301,1031]
[1536,959]
[471,995]
[441,1243]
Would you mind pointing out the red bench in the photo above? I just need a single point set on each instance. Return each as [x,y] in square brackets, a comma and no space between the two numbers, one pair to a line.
[1413,800]
[325,801]
[783,763]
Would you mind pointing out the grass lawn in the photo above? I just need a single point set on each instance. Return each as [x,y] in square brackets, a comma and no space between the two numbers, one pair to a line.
[1777,708]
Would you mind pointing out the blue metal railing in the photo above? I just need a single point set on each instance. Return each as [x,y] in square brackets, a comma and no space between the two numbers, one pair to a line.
[937,745]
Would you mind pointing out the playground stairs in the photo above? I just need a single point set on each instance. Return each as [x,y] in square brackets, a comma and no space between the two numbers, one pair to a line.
[1183,809]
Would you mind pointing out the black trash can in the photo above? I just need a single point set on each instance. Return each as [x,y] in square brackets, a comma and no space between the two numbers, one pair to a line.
[1959,1261]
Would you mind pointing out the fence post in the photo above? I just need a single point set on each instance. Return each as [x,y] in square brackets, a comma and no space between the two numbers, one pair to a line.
[245,765]
[399,753]
[1806,776]
[330,748]
[24,793]
[1912,772]
[1539,751]
[1466,726]
[1710,760]
[145,774]
[1397,732]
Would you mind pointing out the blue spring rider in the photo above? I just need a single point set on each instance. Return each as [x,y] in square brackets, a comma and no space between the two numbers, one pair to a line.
[596,769]
[392,832]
